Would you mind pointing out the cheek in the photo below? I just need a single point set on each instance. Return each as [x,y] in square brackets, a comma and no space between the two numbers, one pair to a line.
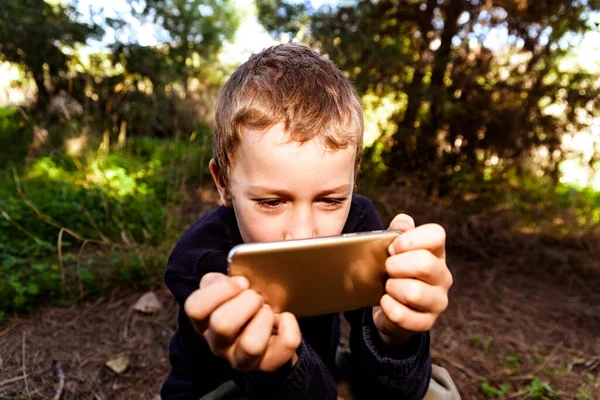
[255,226]
[332,223]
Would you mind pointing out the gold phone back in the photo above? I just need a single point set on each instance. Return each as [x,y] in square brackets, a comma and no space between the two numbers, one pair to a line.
[316,276]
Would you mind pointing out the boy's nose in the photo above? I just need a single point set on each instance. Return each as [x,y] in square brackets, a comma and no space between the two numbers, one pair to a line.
[301,226]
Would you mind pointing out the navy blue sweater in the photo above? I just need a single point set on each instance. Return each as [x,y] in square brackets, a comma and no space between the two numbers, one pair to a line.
[378,372]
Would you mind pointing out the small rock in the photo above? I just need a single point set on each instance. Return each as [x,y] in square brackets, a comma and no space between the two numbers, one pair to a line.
[119,364]
[148,303]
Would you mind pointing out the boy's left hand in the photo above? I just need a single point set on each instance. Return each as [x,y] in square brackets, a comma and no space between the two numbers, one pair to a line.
[418,284]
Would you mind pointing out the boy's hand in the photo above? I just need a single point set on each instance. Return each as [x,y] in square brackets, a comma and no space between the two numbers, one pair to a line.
[239,327]
[418,284]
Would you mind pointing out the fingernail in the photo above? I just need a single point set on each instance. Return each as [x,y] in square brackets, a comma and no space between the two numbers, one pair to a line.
[391,250]
[242,282]
[403,228]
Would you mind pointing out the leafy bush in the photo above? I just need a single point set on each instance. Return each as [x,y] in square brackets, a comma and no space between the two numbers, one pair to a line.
[15,137]
[116,201]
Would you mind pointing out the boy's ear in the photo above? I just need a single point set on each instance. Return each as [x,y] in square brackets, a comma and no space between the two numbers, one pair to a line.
[215,171]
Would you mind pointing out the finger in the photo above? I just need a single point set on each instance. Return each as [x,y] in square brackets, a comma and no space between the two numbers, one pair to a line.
[226,322]
[404,317]
[417,295]
[402,223]
[429,236]
[283,345]
[202,302]
[252,343]
[419,264]
[212,277]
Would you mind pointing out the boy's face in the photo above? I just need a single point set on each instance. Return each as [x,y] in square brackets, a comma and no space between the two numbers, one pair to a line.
[283,190]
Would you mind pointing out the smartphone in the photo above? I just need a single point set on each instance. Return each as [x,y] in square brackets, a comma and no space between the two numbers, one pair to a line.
[316,276]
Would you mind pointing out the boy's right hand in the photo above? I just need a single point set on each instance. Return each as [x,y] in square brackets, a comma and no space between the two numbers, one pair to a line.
[239,327]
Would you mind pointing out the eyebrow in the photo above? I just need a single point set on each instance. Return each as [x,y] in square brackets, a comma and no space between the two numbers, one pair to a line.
[264,190]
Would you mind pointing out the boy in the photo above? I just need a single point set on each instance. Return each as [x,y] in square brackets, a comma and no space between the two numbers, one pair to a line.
[287,148]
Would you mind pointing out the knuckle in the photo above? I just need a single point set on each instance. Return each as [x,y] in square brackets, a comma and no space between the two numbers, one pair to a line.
[192,312]
[440,232]
[414,294]
[291,341]
[425,261]
[250,347]
[220,325]
[444,303]
[391,264]
[395,314]
[428,324]
[210,278]
[450,279]
[206,279]
[254,298]
[389,286]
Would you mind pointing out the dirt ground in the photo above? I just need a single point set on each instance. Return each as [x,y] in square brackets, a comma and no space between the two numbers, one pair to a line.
[524,316]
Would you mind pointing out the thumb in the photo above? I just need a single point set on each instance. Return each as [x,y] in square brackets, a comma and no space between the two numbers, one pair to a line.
[402,223]
[211,278]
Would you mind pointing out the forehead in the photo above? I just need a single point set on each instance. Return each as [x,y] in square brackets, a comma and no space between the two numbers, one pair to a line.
[269,156]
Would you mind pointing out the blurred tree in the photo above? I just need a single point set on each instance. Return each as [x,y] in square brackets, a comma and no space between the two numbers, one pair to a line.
[34,35]
[197,30]
[475,76]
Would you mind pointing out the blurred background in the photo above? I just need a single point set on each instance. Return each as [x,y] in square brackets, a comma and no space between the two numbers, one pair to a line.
[481,115]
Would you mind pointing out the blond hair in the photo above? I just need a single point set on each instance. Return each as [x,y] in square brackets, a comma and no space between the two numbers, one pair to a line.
[294,85]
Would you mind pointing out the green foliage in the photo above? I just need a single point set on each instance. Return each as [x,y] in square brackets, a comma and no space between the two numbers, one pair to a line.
[540,203]
[23,285]
[35,33]
[492,391]
[194,26]
[466,106]
[583,394]
[512,362]
[15,137]
[538,389]
[477,340]
[196,32]
[116,200]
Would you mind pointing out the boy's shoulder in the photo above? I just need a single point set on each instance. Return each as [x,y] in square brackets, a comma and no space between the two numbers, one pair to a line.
[362,216]
[210,236]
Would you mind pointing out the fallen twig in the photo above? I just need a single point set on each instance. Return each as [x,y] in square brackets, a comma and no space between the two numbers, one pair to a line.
[21,377]
[548,359]
[8,329]
[61,380]
[50,221]
[80,287]
[36,239]
[469,372]
[24,370]
[517,394]
[60,261]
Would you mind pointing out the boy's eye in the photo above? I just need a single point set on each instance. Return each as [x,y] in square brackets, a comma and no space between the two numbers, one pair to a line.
[269,204]
[332,203]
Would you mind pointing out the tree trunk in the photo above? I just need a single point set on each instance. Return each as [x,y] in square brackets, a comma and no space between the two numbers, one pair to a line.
[442,58]
[399,152]
[43,97]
